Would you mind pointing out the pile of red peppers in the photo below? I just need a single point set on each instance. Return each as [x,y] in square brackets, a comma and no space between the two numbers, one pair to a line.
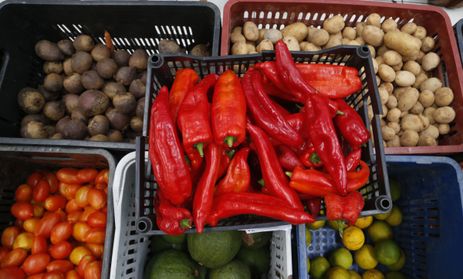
[274,143]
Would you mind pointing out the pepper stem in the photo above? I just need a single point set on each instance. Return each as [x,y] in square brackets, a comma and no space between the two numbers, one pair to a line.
[288,173]
[314,158]
[338,112]
[231,153]
[185,224]
[187,160]
[200,147]
[230,140]
[261,182]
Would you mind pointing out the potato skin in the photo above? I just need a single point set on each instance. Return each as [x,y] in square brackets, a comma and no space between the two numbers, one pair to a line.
[48,51]
[403,43]
[297,30]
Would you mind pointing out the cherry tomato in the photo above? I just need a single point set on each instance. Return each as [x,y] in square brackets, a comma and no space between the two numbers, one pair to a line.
[14,258]
[9,235]
[68,175]
[3,252]
[72,275]
[102,187]
[78,253]
[47,223]
[96,249]
[54,275]
[68,190]
[95,236]
[12,272]
[80,231]
[23,193]
[87,212]
[41,191]
[34,178]
[60,250]
[85,260]
[93,270]
[18,223]
[22,210]
[36,263]
[60,265]
[52,181]
[96,198]
[30,225]
[72,206]
[74,216]
[97,220]
[102,177]
[86,175]
[38,210]
[39,245]
[61,232]
[24,240]
[55,202]
[81,196]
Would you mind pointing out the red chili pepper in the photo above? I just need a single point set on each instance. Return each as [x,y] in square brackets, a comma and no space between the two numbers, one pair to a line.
[202,202]
[351,125]
[275,180]
[288,158]
[238,175]
[232,204]
[166,153]
[314,205]
[309,157]
[311,182]
[322,135]
[229,110]
[184,81]
[194,119]
[264,112]
[353,159]
[347,208]
[169,218]
[225,159]
[296,120]
[356,179]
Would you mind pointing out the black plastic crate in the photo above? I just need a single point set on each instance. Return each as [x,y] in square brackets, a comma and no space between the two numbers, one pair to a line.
[132,25]
[459,33]
[17,162]
[161,71]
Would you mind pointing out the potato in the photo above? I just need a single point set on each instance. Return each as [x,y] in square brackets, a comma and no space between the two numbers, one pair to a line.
[389,87]
[386,73]
[345,41]
[391,102]
[375,65]
[54,110]
[393,115]
[291,43]
[419,79]
[444,115]
[264,45]
[201,50]
[379,60]
[250,31]
[273,35]
[403,43]
[430,61]
[34,130]
[404,78]
[409,28]
[378,81]
[425,120]
[353,43]
[407,99]
[168,47]
[374,19]
[67,67]
[428,44]
[398,67]
[383,95]
[426,98]
[334,24]
[53,82]
[30,100]
[431,131]
[360,40]
[392,57]
[428,112]
[444,129]
[137,88]
[83,43]
[100,52]
[394,126]
[122,57]
[91,80]
[48,51]
[139,60]
[93,102]
[261,35]
[81,62]
[426,141]
[412,67]
[419,56]
[332,42]
[251,47]
[389,25]
[359,28]
[349,33]
[318,37]
[420,32]
[305,46]
[99,124]
[431,84]
[412,122]
[399,90]
[417,108]
[372,50]
[444,96]
[237,36]
[395,142]
[297,30]
[388,133]
[409,138]
[239,48]
[66,47]
[373,35]
[52,67]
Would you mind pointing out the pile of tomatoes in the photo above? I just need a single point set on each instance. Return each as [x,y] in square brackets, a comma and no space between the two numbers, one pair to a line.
[60,226]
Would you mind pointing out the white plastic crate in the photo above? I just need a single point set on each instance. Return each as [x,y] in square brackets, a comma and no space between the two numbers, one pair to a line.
[130,250]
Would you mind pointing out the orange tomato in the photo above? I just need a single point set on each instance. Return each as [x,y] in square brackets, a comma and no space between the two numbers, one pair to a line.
[54,275]
[60,265]
[39,245]
[12,272]
[9,235]
[68,175]
[47,223]
[72,206]
[97,220]
[30,225]
[87,212]
[96,198]
[78,253]
[22,210]
[38,210]
[93,270]
[96,249]
[102,177]
[74,216]
[34,178]
[52,181]
[68,190]
[80,231]
[14,258]
[84,263]
[36,263]
[3,252]
[81,196]
[86,175]
[55,202]
[41,191]
[24,240]
[95,236]
[60,250]
[36,276]
[72,275]
[23,193]
[61,232]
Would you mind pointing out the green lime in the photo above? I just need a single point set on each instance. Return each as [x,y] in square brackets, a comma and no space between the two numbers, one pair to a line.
[337,272]
[387,252]
[395,275]
[354,275]
[395,189]
[353,238]
[382,216]
[379,230]
[372,274]
[337,225]
[395,218]
[399,264]
[364,222]
[365,257]
[308,265]
[308,237]
[341,257]
[317,224]
[318,267]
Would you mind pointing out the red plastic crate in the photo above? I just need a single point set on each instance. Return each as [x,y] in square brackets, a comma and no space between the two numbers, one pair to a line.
[277,14]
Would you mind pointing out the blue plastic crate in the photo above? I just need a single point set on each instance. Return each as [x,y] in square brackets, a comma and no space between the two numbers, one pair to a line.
[431,233]
[459,33]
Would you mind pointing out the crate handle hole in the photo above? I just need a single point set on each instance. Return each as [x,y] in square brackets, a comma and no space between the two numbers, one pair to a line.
[363,51]
[383,203]
[156,60]
[143,225]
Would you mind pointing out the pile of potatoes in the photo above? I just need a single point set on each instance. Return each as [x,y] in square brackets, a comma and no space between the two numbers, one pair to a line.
[416,106]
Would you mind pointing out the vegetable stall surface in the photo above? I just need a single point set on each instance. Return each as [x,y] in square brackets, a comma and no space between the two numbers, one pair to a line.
[310,124]
[60,225]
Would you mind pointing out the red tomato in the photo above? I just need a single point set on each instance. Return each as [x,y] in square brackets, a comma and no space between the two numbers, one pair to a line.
[23,193]
[87,212]
[38,210]
[47,223]
[97,220]
[22,210]
[41,191]
[14,258]
[30,225]
[74,216]
[93,270]
[61,232]
[72,206]
[95,236]
[78,253]
[68,190]
[60,265]
[72,275]
[3,252]
[96,249]
[34,178]
[52,181]
[54,275]
[102,187]
[68,175]
[86,175]
[36,263]
[39,245]
[24,240]
[55,202]
[60,250]
[96,198]
[37,276]
[81,196]
[80,231]
[12,272]
[102,177]
[83,263]
[9,235]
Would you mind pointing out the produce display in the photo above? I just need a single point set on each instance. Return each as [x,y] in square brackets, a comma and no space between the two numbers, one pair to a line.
[60,226]
[215,255]
[368,247]
[417,107]
[226,146]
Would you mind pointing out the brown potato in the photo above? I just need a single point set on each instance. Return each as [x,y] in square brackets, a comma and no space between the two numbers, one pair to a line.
[71,128]
[125,75]
[54,110]
[83,43]
[112,88]
[48,51]
[124,102]
[91,80]
[81,62]
[34,130]
[100,52]
[66,47]
[139,60]
[121,56]
[31,100]
[73,84]
[53,82]
[99,124]
[52,67]
[93,102]
[137,88]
